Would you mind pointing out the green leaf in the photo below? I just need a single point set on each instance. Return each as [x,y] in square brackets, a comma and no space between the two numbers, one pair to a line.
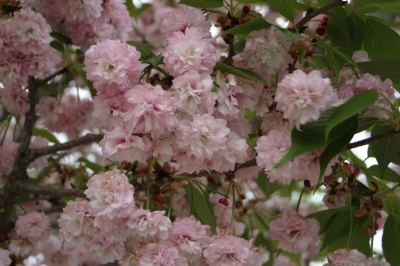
[338,226]
[45,134]
[380,41]
[392,8]
[310,137]
[154,62]
[385,68]
[291,35]
[203,3]
[360,5]
[144,50]
[324,218]
[389,175]
[252,25]
[82,74]
[366,122]
[392,203]
[355,30]
[300,7]
[61,37]
[350,108]
[384,150]
[202,207]
[240,72]
[285,7]
[134,12]
[338,30]
[57,45]
[390,239]
[265,185]
[239,46]
[336,146]
[92,166]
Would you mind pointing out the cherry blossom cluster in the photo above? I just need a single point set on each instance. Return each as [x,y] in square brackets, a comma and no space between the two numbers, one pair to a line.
[112,227]
[86,22]
[352,257]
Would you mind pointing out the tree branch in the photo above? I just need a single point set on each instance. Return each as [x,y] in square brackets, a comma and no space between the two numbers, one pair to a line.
[43,190]
[313,14]
[371,139]
[88,138]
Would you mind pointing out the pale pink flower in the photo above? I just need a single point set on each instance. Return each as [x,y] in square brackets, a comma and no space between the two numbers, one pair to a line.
[334,199]
[33,226]
[242,127]
[266,51]
[274,121]
[203,136]
[303,97]
[232,100]
[5,257]
[294,232]
[162,148]
[113,66]
[375,262]
[190,236]
[29,32]
[283,260]
[107,248]
[147,225]
[13,70]
[160,254]
[15,100]
[152,112]
[76,219]
[360,56]
[108,111]
[8,151]
[83,10]
[345,256]
[120,145]
[193,93]
[44,64]
[224,250]
[180,204]
[48,109]
[189,51]
[110,194]
[182,18]
[20,246]
[261,96]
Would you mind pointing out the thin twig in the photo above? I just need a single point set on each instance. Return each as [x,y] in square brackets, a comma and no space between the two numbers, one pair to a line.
[371,139]
[313,14]
[88,138]
[44,190]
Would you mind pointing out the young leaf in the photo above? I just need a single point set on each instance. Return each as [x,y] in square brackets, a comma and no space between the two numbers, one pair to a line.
[352,107]
[393,8]
[390,239]
[239,46]
[366,122]
[338,226]
[324,218]
[267,187]
[60,37]
[252,25]
[336,146]
[385,68]
[387,149]
[311,136]
[291,35]
[202,207]
[389,175]
[144,50]
[92,166]
[285,7]
[57,45]
[45,134]
[240,72]
[203,3]
[376,41]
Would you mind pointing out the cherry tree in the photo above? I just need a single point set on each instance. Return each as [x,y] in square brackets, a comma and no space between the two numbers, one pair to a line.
[199,132]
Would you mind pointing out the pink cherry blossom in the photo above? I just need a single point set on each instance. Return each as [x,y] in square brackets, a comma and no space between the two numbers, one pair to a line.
[81,10]
[110,194]
[8,151]
[193,93]
[303,97]
[15,99]
[147,225]
[182,18]
[33,226]
[152,112]
[347,256]
[4,257]
[29,32]
[113,66]
[120,145]
[266,51]
[294,232]
[189,51]
[160,254]
[227,250]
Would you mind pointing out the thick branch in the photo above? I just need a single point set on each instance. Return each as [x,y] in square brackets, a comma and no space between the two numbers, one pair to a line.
[47,79]
[88,138]
[43,190]
[313,14]
[371,139]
